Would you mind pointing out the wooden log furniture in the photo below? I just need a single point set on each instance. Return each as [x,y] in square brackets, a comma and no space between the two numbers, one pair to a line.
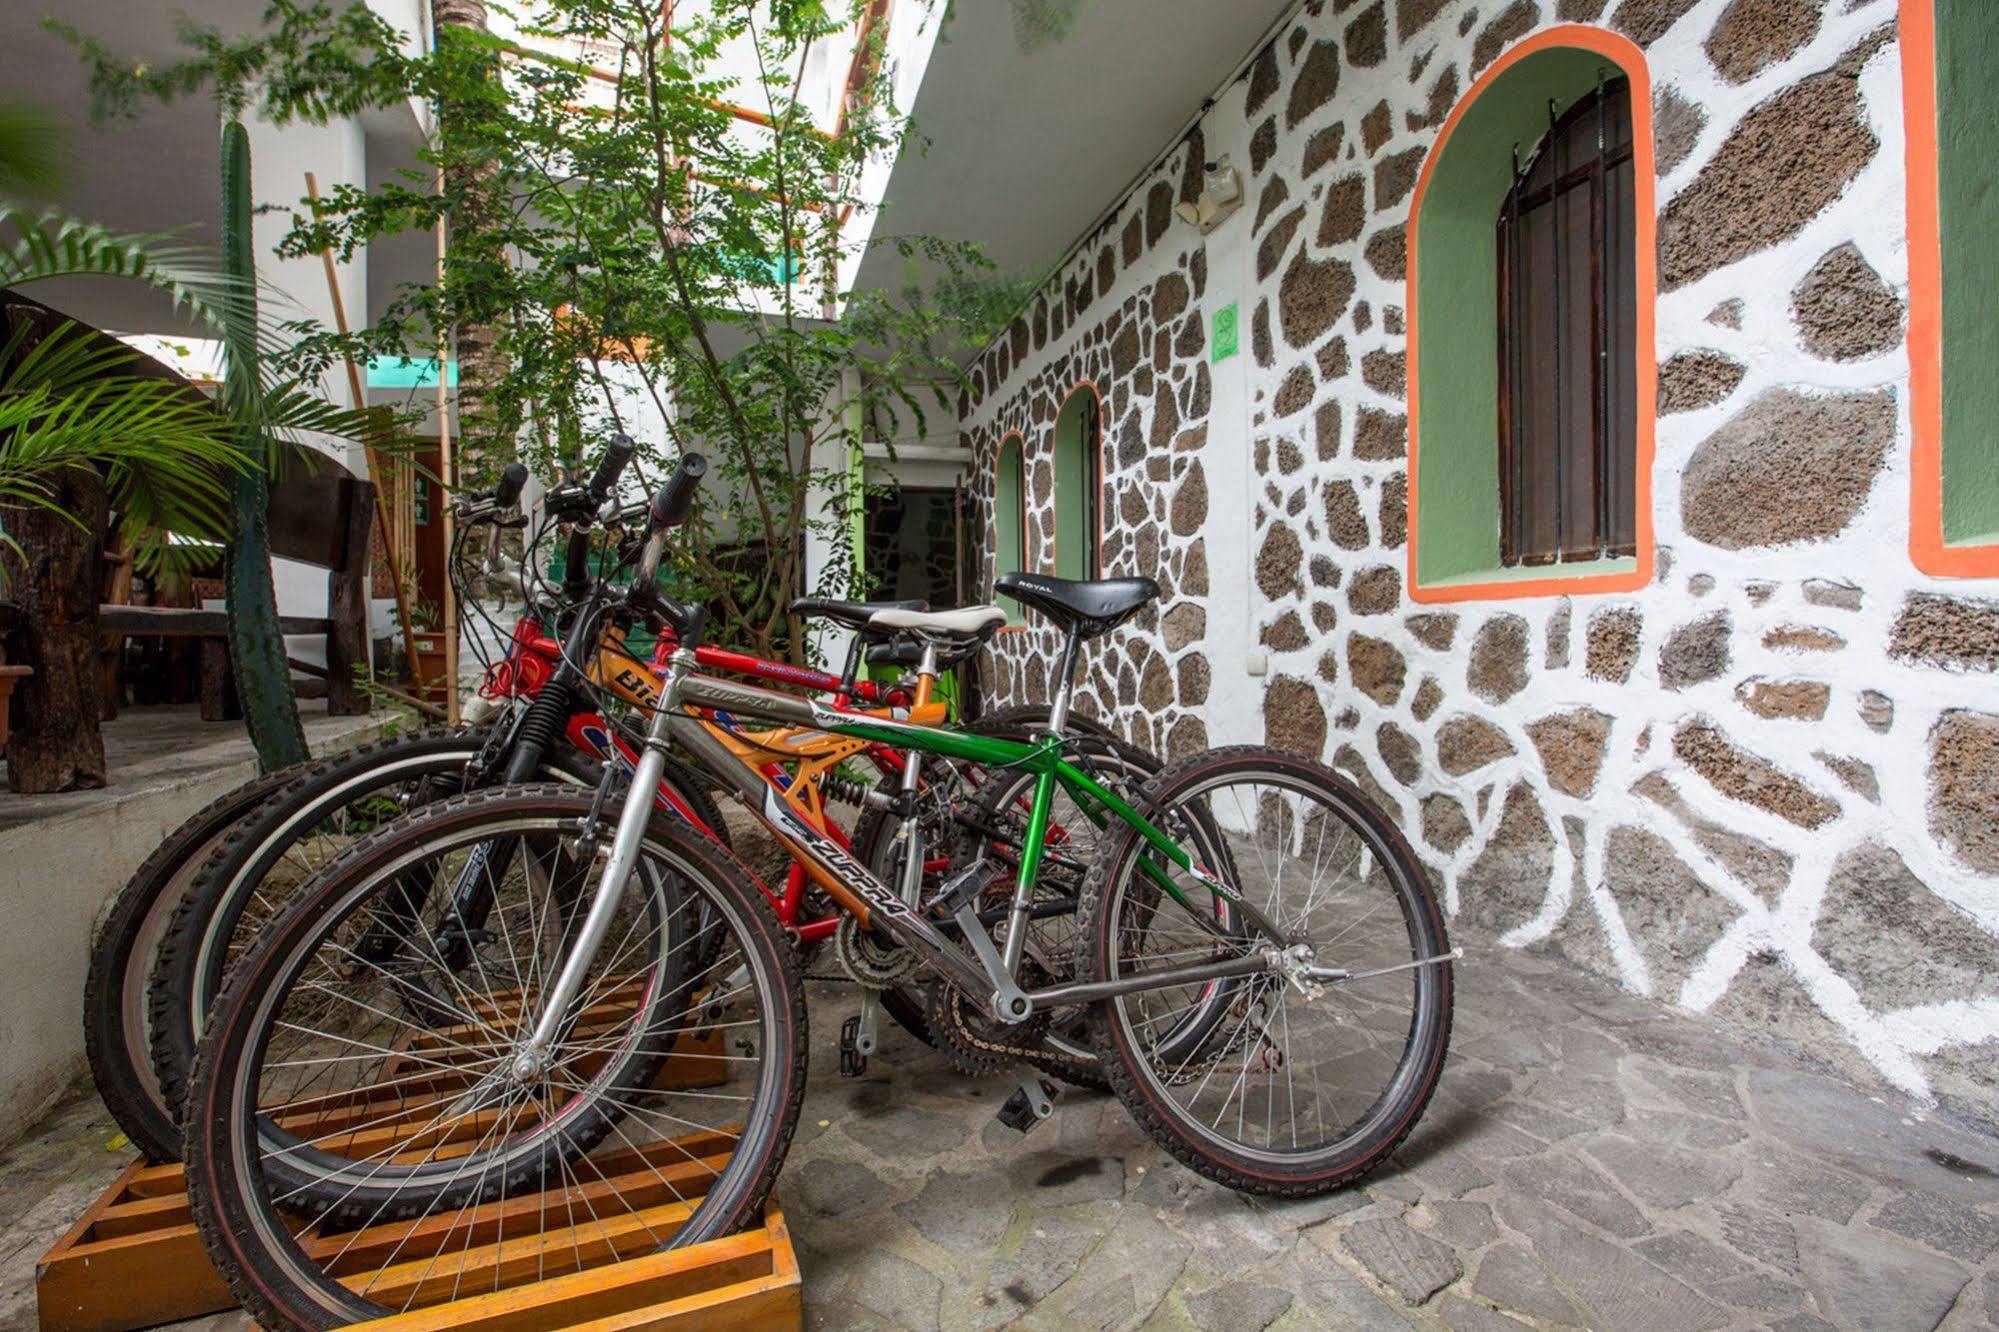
[57,588]
[321,515]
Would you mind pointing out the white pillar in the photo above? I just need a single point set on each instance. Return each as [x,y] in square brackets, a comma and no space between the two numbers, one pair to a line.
[1233,707]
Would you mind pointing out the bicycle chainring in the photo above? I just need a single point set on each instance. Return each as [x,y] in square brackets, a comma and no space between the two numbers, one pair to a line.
[977,1045]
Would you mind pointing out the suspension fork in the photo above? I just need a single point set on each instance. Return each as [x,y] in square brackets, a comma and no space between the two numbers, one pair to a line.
[1033,842]
[398,919]
[539,728]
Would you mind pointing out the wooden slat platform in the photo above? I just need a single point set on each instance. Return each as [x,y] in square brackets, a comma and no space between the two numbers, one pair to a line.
[554,1259]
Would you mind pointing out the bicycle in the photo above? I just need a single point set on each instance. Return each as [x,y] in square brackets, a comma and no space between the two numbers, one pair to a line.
[1196,956]
[244,873]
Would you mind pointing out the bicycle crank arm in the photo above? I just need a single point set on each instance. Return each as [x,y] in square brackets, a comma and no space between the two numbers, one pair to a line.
[1056,996]
[1336,974]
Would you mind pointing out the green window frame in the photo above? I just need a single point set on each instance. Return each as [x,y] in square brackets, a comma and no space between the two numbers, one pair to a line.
[1078,484]
[1010,515]
[1456,499]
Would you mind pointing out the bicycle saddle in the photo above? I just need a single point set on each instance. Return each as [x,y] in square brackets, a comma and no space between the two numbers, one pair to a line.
[853,614]
[971,624]
[1086,607]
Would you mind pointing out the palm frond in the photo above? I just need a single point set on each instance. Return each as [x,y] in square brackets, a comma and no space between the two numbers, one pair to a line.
[70,400]
[33,159]
[50,245]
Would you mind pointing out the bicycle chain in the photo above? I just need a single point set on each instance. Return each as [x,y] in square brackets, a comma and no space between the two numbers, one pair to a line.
[975,1051]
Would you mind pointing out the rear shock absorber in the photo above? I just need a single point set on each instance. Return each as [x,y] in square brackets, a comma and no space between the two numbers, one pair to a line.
[839,788]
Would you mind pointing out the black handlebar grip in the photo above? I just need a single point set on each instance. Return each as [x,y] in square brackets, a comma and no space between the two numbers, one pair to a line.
[616,455]
[676,497]
[512,481]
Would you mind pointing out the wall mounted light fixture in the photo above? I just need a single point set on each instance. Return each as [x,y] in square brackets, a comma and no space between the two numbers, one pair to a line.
[1221,196]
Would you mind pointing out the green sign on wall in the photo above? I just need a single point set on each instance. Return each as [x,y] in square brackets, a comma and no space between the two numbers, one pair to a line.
[1225,332]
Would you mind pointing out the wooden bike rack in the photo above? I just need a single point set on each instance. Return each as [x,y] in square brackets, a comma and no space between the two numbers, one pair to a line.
[134,1259]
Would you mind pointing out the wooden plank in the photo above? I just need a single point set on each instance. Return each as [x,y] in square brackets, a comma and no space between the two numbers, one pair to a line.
[134,1258]
[180,622]
[769,1304]
[658,1182]
[678,1288]
[347,603]
[106,1275]
[748,1280]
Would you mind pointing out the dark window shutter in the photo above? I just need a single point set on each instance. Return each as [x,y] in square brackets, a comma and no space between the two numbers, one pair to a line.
[1567,318]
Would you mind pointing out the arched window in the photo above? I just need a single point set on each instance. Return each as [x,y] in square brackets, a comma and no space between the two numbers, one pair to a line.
[1952,108]
[1009,515]
[1078,481]
[1531,369]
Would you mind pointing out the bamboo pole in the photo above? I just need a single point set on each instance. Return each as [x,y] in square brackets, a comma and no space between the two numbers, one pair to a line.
[446,475]
[374,460]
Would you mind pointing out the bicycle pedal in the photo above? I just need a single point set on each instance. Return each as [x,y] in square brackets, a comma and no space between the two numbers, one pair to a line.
[1032,1102]
[852,1062]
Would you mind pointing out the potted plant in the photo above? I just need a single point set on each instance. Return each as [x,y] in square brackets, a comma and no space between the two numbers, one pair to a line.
[427,671]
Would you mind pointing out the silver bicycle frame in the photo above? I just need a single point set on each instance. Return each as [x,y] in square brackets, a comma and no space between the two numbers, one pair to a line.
[981,974]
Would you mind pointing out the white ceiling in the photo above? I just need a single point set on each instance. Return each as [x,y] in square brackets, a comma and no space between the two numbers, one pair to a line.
[1026,134]
[1026,130]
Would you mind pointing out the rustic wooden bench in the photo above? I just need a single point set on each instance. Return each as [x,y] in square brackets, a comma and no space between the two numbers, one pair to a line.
[321,515]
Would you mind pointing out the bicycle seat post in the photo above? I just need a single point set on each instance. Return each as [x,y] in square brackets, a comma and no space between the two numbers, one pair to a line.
[1058,710]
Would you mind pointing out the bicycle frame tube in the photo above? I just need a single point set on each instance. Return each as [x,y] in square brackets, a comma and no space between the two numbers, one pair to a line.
[857,890]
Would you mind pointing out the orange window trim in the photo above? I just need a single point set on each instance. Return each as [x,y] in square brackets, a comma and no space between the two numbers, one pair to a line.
[1626,55]
[1927,547]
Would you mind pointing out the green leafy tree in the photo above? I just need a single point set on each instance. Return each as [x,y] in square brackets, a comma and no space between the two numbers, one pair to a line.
[663,223]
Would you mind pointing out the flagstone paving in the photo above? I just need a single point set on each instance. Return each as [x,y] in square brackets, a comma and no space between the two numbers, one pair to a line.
[1591,1160]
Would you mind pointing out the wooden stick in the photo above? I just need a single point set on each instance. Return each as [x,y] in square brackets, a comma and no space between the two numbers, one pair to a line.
[425,706]
[374,461]
[447,475]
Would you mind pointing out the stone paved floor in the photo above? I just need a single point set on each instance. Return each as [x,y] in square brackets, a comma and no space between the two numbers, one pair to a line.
[1591,1160]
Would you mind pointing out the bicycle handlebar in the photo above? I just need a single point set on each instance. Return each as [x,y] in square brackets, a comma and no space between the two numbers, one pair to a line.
[617,455]
[669,510]
[671,504]
[512,481]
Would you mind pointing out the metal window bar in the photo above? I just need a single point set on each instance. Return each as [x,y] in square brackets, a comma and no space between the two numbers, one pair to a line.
[1524,197]
[1560,318]
[1600,320]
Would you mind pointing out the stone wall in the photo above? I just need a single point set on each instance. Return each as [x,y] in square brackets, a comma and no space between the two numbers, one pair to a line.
[1764,787]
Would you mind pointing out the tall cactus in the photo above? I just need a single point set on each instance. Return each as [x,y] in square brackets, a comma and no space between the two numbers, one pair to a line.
[256,645]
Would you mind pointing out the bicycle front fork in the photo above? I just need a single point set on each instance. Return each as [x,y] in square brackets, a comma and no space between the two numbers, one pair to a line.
[619,862]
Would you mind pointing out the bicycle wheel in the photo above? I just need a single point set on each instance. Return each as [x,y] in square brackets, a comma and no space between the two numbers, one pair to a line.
[367,1130]
[252,873]
[117,1036]
[314,810]
[1309,1079]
